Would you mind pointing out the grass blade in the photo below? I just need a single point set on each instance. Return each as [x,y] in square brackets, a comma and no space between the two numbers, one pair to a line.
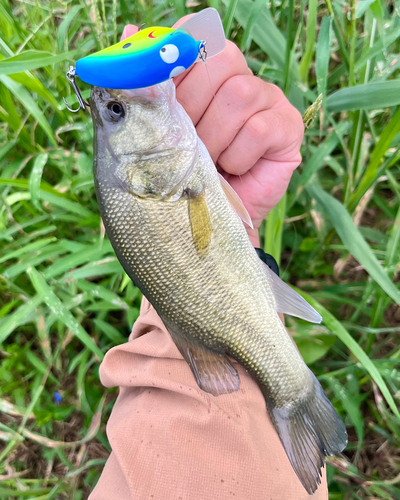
[322,58]
[273,230]
[382,146]
[392,250]
[36,178]
[62,202]
[229,17]
[338,329]
[36,245]
[351,237]
[265,33]
[29,103]
[62,32]
[254,14]
[372,95]
[57,307]
[11,322]
[32,59]
[112,333]
[88,254]
[99,291]
[324,149]
[311,33]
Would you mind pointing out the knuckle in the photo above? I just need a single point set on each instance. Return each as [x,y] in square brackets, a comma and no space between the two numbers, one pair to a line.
[277,93]
[231,51]
[232,58]
[257,128]
[228,162]
[293,128]
[240,89]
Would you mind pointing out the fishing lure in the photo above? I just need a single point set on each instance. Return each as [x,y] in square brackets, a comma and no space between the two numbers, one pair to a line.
[151,56]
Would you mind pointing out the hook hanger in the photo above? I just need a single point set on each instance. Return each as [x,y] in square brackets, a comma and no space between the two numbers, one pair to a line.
[82,103]
[203,51]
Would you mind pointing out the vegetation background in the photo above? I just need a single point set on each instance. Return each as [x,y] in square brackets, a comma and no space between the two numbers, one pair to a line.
[65,300]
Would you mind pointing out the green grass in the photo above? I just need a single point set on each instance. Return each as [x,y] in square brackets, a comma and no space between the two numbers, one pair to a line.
[64,299]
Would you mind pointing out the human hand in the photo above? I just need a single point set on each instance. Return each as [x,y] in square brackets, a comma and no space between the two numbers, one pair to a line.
[250,129]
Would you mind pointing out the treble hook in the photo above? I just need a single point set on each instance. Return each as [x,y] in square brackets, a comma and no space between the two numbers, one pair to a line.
[203,51]
[82,103]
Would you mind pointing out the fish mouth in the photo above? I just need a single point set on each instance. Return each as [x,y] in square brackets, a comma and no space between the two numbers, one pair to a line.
[149,93]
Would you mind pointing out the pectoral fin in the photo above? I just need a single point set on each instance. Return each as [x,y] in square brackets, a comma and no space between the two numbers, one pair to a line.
[200,223]
[290,302]
[213,371]
[235,201]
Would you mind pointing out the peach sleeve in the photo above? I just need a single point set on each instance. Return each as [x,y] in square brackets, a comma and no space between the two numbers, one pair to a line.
[172,441]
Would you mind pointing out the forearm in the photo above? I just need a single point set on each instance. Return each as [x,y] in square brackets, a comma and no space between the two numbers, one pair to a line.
[171,440]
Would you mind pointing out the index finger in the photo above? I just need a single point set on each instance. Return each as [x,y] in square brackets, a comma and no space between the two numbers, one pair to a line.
[197,86]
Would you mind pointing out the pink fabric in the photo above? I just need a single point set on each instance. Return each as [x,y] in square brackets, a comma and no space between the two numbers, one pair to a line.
[172,441]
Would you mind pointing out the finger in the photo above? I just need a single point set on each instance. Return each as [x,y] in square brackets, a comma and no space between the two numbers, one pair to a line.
[263,186]
[129,30]
[182,20]
[236,102]
[274,134]
[197,87]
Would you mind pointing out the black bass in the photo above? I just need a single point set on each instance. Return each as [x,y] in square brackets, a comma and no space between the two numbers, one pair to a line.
[174,225]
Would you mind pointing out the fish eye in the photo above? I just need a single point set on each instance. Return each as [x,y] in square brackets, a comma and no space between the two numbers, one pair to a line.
[115,111]
[169,53]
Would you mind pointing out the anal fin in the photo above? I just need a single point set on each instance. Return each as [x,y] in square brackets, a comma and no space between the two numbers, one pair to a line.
[213,371]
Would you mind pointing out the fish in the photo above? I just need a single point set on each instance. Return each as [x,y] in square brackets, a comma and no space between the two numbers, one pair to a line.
[174,226]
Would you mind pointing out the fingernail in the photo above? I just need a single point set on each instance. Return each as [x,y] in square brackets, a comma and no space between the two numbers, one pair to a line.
[124,35]
[129,30]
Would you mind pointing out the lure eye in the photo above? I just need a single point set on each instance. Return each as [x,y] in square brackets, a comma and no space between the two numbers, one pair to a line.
[115,111]
[169,53]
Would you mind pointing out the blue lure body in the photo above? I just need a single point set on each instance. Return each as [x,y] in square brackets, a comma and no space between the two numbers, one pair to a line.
[153,55]
[147,58]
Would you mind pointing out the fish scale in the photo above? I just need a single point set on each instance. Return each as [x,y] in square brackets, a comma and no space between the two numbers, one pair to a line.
[181,242]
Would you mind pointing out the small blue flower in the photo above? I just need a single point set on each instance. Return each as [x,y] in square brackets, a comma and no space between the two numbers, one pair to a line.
[57,398]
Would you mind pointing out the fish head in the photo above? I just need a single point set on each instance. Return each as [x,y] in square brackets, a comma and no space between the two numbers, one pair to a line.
[132,121]
[144,138]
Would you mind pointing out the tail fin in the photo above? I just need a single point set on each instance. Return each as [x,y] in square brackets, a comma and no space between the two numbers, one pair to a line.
[309,430]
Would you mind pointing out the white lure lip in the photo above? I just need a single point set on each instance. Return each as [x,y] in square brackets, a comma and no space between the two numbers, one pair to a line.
[177,71]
